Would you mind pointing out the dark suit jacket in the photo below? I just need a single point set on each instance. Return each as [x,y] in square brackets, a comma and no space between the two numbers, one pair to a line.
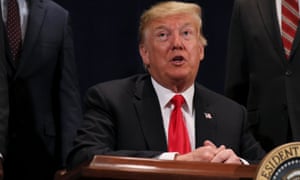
[4,102]
[123,118]
[44,94]
[260,77]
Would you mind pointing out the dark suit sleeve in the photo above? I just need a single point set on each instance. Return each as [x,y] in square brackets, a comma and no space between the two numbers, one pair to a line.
[237,80]
[251,150]
[98,133]
[70,101]
[4,101]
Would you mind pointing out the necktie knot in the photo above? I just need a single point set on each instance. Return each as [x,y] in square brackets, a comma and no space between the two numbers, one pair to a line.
[178,101]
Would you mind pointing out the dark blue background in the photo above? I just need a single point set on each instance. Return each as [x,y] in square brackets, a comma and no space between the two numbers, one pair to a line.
[105,36]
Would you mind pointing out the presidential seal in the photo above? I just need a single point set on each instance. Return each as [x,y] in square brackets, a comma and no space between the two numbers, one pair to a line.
[282,163]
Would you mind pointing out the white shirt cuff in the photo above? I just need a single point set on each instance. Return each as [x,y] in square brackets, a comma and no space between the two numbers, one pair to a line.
[244,161]
[168,156]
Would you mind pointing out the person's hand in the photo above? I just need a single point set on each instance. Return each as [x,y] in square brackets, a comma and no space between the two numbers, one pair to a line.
[226,156]
[205,153]
[209,152]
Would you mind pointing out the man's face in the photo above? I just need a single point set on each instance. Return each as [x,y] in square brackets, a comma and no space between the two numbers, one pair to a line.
[172,50]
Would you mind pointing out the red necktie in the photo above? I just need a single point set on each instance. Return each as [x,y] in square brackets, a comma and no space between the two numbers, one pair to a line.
[178,139]
[290,19]
[14,28]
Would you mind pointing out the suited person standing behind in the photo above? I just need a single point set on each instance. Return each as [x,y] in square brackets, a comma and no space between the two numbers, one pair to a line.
[45,105]
[263,68]
[4,102]
[130,117]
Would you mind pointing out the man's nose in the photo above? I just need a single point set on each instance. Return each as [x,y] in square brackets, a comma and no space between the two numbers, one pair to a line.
[177,43]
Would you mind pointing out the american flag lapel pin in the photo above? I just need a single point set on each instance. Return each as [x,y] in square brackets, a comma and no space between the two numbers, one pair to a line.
[208,115]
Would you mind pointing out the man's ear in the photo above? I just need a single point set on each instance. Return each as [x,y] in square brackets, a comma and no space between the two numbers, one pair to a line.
[201,52]
[144,54]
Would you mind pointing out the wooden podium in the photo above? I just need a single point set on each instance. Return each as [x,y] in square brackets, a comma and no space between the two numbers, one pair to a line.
[112,167]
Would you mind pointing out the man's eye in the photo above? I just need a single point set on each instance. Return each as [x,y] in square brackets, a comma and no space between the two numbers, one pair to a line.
[163,36]
[186,33]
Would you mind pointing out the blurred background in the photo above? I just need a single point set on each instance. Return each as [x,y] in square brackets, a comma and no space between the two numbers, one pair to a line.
[106,46]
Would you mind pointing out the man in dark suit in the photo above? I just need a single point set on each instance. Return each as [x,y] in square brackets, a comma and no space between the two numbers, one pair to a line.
[259,73]
[130,117]
[4,102]
[45,105]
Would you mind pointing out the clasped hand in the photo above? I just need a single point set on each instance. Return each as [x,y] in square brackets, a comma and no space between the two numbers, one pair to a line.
[209,152]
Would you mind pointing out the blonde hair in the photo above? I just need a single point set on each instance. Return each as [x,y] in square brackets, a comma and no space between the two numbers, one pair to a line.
[164,9]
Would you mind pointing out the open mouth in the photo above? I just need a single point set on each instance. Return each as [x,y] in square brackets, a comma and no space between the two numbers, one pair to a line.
[178,59]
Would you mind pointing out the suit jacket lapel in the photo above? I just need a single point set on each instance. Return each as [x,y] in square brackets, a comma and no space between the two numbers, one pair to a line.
[2,37]
[37,11]
[296,42]
[149,113]
[267,9]
[205,117]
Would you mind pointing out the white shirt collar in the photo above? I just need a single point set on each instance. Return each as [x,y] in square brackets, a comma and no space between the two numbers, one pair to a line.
[165,95]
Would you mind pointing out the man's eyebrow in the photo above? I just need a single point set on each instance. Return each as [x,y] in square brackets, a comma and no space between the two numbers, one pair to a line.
[187,24]
[160,27]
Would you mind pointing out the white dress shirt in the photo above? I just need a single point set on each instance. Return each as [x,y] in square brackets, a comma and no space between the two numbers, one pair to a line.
[164,96]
